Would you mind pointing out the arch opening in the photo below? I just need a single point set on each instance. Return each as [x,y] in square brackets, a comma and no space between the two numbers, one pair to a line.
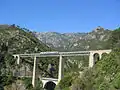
[50,85]
[96,57]
[104,54]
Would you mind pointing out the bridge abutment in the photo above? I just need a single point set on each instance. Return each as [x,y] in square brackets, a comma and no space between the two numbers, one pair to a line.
[92,57]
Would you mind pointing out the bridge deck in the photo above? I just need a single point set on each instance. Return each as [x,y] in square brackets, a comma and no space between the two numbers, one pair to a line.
[55,54]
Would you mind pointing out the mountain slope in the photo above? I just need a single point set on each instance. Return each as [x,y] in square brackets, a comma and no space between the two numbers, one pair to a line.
[105,75]
[15,40]
[75,41]
[20,41]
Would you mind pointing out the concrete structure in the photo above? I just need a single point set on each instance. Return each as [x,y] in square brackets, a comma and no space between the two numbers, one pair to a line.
[46,80]
[99,52]
[61,62]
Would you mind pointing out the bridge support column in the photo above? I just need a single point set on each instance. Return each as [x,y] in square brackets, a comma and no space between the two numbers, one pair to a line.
[18,59]
[100,55]
[34,70]
[91,60]
[61,69]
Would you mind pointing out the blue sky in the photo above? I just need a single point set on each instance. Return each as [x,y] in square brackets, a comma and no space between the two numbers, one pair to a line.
[61,15]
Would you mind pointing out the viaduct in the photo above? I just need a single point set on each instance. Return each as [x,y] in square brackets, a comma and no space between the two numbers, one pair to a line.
[46,81]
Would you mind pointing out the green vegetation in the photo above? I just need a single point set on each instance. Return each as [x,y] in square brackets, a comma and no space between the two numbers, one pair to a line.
[105,75]
[114,40]
[15,40]
[28,85]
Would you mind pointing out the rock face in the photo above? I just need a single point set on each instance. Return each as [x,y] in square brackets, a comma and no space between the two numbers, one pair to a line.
[75,41]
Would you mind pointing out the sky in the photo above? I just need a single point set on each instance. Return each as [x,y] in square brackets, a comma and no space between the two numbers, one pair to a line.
[61,15]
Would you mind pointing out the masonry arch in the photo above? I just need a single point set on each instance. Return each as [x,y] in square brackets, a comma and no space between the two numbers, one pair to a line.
[96,57]
[104,54]
[50,85]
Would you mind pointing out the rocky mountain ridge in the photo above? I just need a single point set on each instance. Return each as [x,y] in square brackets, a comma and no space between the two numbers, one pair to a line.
[95,39]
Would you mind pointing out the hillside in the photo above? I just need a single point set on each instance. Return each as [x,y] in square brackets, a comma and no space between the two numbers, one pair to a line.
[15,40]
[20,41]
[75,41]
[105,75]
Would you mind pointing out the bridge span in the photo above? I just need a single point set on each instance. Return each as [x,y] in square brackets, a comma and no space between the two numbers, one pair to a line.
[46,81]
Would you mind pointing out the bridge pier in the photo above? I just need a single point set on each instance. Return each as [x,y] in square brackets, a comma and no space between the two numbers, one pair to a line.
[61,68]
[91,60]
[18,58]
[34,72]
[100,55]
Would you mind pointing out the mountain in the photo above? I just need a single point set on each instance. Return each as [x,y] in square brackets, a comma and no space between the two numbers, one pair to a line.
[75,41]
[20,41]
[104,75]
[16,40]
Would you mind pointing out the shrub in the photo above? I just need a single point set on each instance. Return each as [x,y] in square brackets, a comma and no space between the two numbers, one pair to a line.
[28,84]
[66,81]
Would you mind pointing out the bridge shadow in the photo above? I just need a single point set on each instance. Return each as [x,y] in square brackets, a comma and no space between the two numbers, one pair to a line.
[49,85]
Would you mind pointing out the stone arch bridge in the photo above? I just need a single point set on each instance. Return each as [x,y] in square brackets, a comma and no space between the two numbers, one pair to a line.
[47,81]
